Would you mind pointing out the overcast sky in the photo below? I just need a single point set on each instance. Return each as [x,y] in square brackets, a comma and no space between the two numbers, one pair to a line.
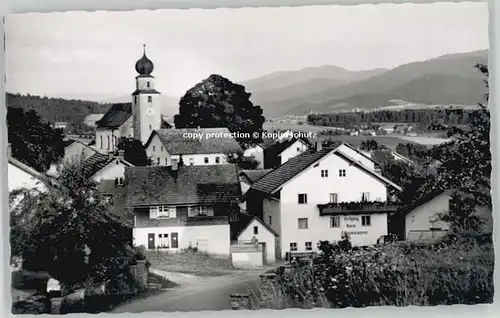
[91,55]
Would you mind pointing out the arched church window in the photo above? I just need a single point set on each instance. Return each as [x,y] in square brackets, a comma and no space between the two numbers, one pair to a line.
[147,84]
[150,99]
[109,144]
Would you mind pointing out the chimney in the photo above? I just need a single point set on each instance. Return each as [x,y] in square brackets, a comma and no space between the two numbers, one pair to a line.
[121,154]
[319,146]
[9,149]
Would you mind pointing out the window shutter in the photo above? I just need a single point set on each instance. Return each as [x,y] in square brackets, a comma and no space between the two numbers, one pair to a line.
[153,213]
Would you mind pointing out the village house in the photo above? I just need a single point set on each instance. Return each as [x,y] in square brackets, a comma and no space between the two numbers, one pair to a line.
[256,152]
[196,146]
[252,230]
[280,151]
[21,176]
[75,152]
[136,119]
[247,178]
[106,167]
[423,218]
[178,207]
[382,155]
[317,196]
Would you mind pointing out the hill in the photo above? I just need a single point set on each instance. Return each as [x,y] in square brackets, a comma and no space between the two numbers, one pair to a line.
[449,79]
[57,109]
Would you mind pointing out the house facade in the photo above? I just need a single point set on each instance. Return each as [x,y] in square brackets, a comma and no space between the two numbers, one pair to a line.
[317,196]
[262,233]
[257,153]
[75,152]
[101,167]
[196,147]
[282,150]
[179,207]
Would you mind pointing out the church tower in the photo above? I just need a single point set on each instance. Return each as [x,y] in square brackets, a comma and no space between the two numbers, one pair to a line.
[145,100]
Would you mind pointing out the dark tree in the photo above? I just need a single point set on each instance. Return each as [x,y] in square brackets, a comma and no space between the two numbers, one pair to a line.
[70,232]
[33,142]
[133,151]
[246,163]
[416,152]
[218,102]
[369,144]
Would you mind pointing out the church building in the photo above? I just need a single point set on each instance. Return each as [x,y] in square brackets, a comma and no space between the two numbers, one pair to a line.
[137,119]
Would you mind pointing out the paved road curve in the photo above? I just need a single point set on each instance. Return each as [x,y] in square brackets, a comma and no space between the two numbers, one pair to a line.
[207,294]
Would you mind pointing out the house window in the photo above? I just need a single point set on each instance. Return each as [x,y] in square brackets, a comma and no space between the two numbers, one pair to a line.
[365,197]
[366,220]
[194,211]
[158,161]
[303,224]
[150,99]
[150,127]
[335,221]
[324,173]
[100,139]
[163,242]
[293,246]
[148,85]
[166,161]
[270,220]
[109,144]
[217,160]
[154,148]
[342,173]
[191,161]
[309,246]
[298,149]
[334,197]
[161,212]
[302,197]
[119,181]
[161,148]
[206,159]
[255,230]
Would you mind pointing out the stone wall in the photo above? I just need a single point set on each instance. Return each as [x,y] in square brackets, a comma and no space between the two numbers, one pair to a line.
[140,273]
[241,301]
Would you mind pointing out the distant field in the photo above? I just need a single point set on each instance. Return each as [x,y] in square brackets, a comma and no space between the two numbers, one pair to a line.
[295,127]
[390,142]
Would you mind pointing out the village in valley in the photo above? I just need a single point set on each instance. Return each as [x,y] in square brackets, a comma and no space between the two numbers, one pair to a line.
[219,207]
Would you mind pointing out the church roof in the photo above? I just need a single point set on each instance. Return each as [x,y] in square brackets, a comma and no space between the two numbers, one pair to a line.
[144,66]
[116,116]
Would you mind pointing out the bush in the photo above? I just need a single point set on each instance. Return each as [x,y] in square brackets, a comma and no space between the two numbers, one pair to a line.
[397,274]
[32,305]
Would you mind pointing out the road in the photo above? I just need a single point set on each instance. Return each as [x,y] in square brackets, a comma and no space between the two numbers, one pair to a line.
[202,293]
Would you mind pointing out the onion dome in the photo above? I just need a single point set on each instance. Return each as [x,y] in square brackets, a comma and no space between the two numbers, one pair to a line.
[144,66]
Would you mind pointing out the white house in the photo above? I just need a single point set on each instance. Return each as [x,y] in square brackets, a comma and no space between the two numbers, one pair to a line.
[178,207]
[247,178]
[256,229]
[22,176]
[136,119]
[106,167]
[196,146]
[423,219]
[75,152]
[317,196]
[283,150]
[256,152]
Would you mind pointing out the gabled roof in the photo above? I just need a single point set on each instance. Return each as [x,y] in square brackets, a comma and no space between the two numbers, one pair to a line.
[278,147]
[97,162]
[46,180]
[253,175]
[267,227]
[274,180]
[145,91]
[160,185]
[360,152]
[176,142]
[116,116]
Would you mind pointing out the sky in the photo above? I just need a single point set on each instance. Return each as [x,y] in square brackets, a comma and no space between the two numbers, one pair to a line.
[91,55]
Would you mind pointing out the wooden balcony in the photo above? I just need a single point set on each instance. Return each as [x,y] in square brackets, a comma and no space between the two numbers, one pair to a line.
[145,221]
[346,208]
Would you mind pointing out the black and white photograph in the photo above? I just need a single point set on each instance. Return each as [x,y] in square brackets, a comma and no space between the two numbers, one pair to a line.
[302,157]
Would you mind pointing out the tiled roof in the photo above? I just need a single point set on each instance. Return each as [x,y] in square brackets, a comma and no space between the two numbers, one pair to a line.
[276,178]
[253,175]
[287,171]
[68,142]
[161,185]
[110,187]
[278,147]
[116,116]
[242,224]
[176,143]
[145,91]
[97,162]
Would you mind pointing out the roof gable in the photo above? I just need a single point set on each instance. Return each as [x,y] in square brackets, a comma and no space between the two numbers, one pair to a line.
[116,116]
[160,185]
[257,220]
[99,162]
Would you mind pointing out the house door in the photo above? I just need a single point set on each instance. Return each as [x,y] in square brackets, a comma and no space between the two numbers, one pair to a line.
[151,241]
[264,253]
[175,242]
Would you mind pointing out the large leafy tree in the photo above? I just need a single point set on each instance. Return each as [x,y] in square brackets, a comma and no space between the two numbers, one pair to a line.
[70,232]
[466,164]
[134,152]
[33,142]
[218,102]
